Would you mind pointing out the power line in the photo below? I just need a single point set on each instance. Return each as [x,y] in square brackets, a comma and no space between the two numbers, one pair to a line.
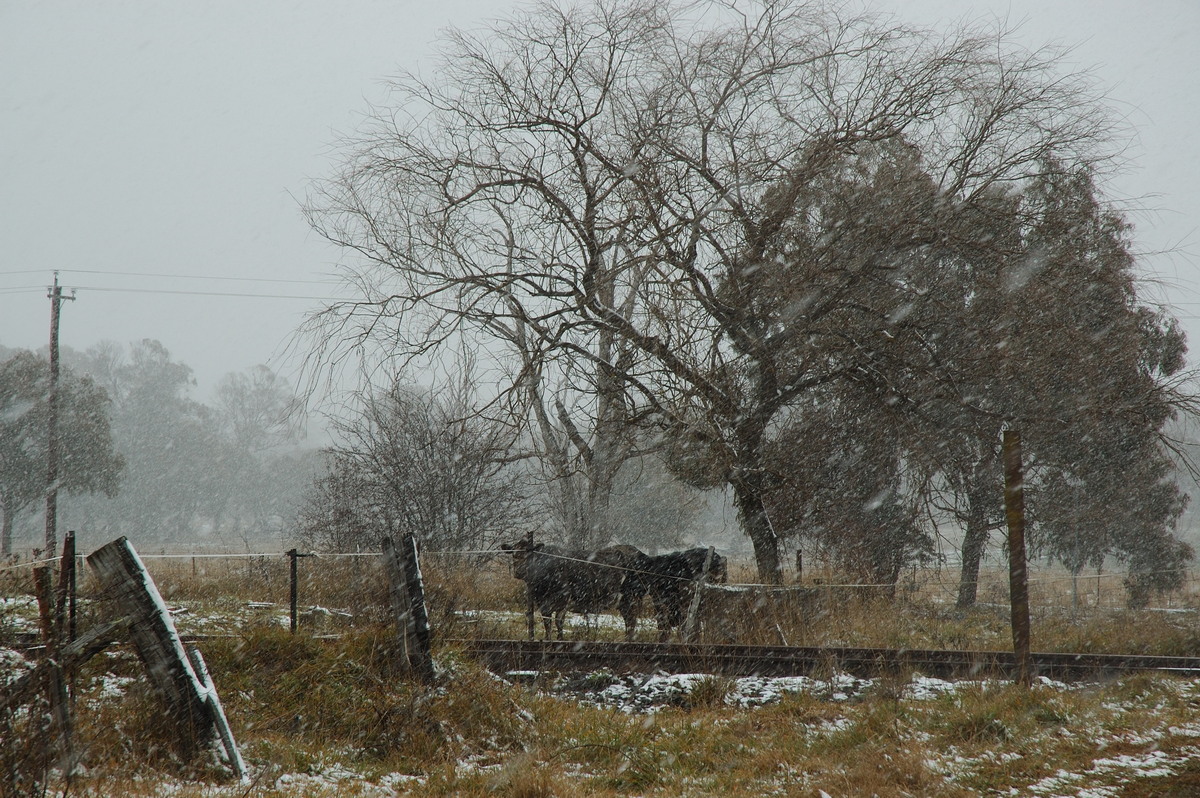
[206,293]
[329,281]
[199,277]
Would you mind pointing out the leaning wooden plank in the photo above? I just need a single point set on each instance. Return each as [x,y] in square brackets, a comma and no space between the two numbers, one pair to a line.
[397,594]
[421,657]
[407,593]
[125,581]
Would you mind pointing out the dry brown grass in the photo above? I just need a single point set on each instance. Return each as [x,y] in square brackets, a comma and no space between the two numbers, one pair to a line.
[300,706]
[481,599]
[303,707]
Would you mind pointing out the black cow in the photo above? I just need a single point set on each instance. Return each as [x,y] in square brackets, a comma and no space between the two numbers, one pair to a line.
[560,580]
[670,580]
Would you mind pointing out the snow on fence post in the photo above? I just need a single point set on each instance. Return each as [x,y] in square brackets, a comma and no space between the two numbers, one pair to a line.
[407,592]
[693,616]
[192,701]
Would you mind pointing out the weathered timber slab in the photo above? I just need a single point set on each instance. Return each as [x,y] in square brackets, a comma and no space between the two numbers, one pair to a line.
[125,582]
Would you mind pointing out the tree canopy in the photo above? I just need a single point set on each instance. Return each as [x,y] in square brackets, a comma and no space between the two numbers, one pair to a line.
[88,463]
[706,215]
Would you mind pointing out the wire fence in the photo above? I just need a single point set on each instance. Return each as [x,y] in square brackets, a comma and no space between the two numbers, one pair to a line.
[1050,586]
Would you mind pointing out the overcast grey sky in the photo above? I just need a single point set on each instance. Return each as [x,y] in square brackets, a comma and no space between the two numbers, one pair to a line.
[148,148]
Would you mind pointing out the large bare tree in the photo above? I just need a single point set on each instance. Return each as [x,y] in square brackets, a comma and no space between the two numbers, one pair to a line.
[602,183]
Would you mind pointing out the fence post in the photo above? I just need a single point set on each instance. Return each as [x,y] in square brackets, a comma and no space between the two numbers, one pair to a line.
[693,618]
[1018,581]
[52,625]
[407,591]
[193,705]
[68,575]
[293,590]
[529,602]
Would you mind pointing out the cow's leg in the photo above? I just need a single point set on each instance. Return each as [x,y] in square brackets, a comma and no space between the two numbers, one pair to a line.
[629,615]
[663,617]
[633,591]
[559,618]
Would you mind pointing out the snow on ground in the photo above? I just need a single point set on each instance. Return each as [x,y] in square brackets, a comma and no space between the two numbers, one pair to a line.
[652,692]
[18,614]
[12,665]
[572,620]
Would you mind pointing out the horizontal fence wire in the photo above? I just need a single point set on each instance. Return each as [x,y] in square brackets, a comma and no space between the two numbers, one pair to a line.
[818,576]
[1060,577]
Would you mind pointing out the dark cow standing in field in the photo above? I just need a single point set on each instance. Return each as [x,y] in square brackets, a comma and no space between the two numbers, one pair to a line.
[560,580]
[670,580]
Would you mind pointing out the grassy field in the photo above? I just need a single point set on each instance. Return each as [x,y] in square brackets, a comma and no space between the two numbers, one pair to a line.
[326,712]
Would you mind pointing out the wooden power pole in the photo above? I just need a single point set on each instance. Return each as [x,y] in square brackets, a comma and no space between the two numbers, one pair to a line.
[56,299]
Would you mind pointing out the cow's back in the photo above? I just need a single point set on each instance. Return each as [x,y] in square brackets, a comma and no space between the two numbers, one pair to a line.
[546,575]
[596,583]
[669,578]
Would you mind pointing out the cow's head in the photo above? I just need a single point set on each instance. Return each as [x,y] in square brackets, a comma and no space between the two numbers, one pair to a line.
[718,569]
[520,552]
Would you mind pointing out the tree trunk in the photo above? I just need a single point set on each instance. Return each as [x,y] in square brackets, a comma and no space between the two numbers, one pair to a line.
[747,496]
[974,542]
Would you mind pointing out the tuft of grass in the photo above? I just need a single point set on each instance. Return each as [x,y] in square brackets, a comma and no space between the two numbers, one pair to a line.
[708,693]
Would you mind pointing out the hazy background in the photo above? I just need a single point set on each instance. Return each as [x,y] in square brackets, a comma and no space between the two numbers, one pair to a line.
[155,153]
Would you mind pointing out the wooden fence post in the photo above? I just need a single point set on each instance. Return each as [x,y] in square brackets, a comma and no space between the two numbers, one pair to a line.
[293,591]
[692,624]
[407,592]
[530,608]
[192,701]
[69,576]
[52,625]
[1018,577]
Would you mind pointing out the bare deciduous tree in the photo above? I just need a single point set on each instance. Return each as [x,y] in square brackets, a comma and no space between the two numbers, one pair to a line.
[604,181]
[421,461]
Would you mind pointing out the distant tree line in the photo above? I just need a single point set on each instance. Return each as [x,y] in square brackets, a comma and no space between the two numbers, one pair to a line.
[142,458]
